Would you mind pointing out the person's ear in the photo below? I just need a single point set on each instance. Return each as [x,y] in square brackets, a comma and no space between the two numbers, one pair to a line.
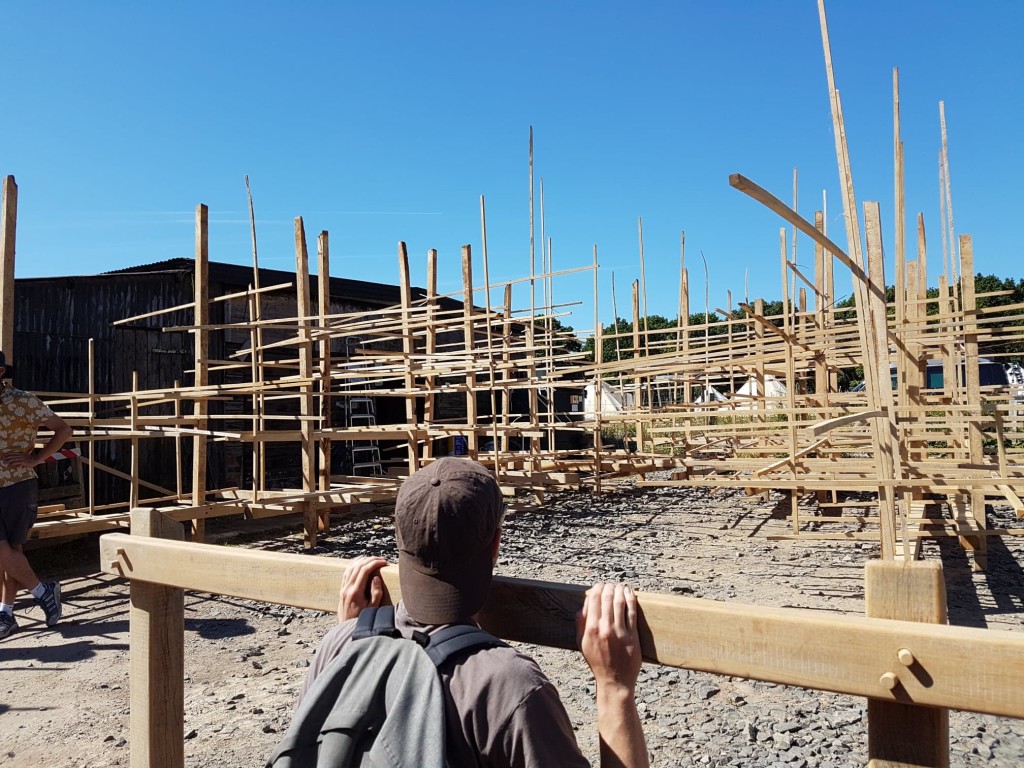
[496,546]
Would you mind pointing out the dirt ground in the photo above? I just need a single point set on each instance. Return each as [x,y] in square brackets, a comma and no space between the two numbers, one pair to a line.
[64,692]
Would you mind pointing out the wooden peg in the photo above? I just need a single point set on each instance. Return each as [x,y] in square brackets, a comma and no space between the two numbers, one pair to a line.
[906,657]
[889,681]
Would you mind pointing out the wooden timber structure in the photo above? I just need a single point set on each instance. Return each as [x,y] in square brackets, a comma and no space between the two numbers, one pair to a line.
[269,374]
[926,459]
[278,386]
[282,369]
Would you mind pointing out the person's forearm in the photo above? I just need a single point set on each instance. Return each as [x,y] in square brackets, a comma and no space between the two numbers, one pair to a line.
[619,728]
[53,445]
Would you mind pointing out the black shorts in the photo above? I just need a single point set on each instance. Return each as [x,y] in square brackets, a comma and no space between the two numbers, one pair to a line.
[19,504]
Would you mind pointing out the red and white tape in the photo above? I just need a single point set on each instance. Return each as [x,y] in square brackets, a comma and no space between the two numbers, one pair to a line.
[66,453]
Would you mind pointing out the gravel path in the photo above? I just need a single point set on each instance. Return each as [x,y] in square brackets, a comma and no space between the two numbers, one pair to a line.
[64,695]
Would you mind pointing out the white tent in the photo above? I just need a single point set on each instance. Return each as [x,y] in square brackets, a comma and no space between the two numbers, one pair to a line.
[611,400]
[711,395]
[746,397]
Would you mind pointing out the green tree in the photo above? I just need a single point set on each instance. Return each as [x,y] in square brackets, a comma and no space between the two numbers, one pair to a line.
[564,338]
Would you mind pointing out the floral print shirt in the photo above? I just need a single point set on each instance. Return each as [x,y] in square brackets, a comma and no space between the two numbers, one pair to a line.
[21,414]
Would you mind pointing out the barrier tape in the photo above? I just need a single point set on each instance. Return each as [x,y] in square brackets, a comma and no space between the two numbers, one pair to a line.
[66,453]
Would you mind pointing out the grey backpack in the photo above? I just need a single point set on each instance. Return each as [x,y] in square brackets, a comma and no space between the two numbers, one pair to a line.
[380,702]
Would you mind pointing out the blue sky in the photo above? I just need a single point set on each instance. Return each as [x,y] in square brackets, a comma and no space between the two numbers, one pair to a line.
[382,122]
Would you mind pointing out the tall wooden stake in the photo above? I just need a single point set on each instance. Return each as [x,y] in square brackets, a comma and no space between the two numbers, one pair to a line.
[430,348]
[304,311]
[259,468]
[468,334]
[408,350]
[598,354]
[489,336]
[871,322]
[975,432]
[201,406]
[8,228]
[323,283]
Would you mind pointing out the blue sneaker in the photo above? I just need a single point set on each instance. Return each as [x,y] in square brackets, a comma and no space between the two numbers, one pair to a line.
[8,624]
[50,602]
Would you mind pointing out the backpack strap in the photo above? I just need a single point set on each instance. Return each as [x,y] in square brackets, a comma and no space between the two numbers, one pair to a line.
[440,645]
[376,622]
[446,643]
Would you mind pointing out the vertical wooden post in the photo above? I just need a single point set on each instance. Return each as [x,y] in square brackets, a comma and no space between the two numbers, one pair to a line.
[821,383]
[643,287]
[871,323]
[789,328]
[972,384]
[323,283]
[887,447]
[900,215]
[255,373]
[202,357]
[259,464]
[507,373]
[830,299]
[906,366]
[492,384]
[957,269]
[922,258]
[531,359]
[549,353]
[598,355]
[644,384]
[92,422]
[759,372]
[157,659]
[8,227]
[408,350]
[179,479]
[730,341]
[133,416]
[914,366]
[637,393]
[430,349]
[303,306]
[469,343]
[684,324]
[904,735]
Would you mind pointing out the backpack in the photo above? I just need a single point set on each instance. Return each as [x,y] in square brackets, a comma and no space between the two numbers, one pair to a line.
[381,701]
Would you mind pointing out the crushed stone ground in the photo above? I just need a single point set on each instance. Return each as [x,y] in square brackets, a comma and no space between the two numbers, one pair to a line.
[64,692]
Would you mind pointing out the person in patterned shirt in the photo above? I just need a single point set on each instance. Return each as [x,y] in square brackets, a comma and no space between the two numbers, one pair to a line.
[21,415]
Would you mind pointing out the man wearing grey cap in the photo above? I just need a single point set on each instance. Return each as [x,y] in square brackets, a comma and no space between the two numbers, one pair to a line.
[501,710]
[21,415]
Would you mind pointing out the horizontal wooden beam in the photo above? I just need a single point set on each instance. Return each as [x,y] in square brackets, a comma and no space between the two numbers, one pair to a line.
[955,667]
[826,426]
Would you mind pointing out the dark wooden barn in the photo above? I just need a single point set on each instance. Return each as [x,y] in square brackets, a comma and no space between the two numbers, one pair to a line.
[56,317]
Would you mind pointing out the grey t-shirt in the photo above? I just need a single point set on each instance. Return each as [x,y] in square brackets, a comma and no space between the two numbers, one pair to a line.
[502,712]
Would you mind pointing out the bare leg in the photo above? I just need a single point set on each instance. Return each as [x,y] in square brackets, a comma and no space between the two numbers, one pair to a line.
[8,590]
[17,571]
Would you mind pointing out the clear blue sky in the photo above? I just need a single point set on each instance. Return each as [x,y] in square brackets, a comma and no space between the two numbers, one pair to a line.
[382,122]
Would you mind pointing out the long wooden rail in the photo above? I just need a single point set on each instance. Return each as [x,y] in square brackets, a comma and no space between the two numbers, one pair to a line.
[924,665]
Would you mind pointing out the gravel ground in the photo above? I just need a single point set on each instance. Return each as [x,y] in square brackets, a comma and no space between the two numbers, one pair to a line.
[64,695]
